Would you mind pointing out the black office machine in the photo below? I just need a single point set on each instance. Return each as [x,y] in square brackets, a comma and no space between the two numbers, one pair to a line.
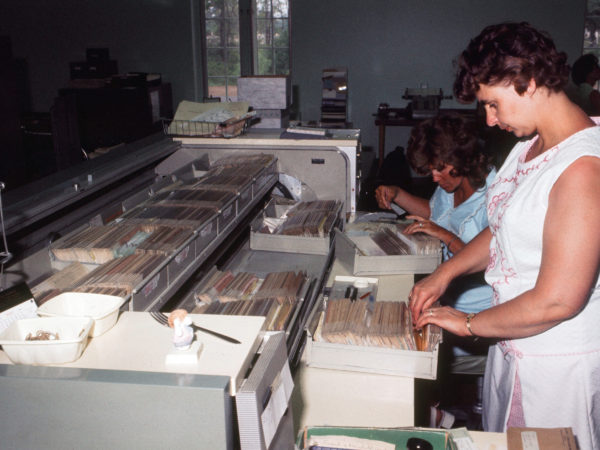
[424,102]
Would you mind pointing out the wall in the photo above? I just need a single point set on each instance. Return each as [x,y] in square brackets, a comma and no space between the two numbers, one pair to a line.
[144,36]
[389,45]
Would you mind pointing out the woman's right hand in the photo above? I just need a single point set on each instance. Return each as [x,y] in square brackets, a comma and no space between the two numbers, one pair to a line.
[385,195]
[426,292]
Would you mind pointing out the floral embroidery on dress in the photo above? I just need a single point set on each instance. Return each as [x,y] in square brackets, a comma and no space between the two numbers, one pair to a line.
[492,259]
[520,173]
[495,297]
[498,201]
[497,255]
[508,348]
[494,201]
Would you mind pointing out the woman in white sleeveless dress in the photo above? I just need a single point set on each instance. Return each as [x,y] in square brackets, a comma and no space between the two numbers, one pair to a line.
[541,251]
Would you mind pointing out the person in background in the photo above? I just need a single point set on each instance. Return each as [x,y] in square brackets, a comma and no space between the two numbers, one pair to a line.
[541,251]
[585,73]
[448,148]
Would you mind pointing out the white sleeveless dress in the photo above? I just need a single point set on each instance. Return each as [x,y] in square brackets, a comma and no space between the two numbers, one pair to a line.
[558,370]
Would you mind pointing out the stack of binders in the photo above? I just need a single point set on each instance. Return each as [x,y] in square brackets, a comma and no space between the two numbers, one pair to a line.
[335,97]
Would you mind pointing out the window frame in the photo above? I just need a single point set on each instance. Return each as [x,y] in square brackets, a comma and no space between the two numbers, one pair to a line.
[248,44]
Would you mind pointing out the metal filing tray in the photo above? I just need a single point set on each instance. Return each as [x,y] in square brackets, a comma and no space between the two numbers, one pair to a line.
[155,289]
[366,359]
[360,264]
[205,235]
[264,177]
[205,240]
[244,197]
[303,293]
[150,289]
[227,214]
[288,244]
[182,260]
[177,263]
[357,358]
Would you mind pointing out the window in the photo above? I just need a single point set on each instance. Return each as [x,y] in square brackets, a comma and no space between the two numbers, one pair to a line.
[591,31]
[272,37]
[225,51]
[222,55]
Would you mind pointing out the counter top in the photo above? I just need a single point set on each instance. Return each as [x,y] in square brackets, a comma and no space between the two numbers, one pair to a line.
[138,343]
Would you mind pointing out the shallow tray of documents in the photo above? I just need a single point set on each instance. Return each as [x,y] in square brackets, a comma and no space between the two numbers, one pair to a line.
[287,243]
[369,359]
[290,244]
[360,264]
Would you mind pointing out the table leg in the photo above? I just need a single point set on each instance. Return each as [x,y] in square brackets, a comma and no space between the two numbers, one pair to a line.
[381,144]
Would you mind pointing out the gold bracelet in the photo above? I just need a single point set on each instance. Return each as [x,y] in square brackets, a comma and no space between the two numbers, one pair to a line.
[469,318]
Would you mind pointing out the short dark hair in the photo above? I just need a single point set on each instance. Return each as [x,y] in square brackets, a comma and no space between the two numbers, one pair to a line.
[511,53]
[449,139]
[583,67]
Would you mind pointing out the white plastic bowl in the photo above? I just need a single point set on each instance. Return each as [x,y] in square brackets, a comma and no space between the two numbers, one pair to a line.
[72,338]
[104,309]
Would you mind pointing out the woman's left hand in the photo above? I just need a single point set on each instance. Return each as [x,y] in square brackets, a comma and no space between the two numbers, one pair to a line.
[426,226]
[448,318]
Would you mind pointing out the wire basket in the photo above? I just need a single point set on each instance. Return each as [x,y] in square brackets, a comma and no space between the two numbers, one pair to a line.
[230,128]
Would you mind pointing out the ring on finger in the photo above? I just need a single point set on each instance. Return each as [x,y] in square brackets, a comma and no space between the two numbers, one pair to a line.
[421,224]
[431,312]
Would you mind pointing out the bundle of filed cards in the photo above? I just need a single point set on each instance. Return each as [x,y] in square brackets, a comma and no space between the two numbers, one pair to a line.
[312,219]
[274,296]
[379,324]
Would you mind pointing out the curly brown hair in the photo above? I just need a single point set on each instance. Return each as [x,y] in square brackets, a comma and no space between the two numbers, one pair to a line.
[449,139]
[510,53]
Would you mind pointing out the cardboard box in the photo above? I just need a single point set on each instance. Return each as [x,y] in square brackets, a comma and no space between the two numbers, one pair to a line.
[265,92]
[438,439]
[542,438]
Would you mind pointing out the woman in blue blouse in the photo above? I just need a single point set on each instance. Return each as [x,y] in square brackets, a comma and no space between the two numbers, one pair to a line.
[448,148]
